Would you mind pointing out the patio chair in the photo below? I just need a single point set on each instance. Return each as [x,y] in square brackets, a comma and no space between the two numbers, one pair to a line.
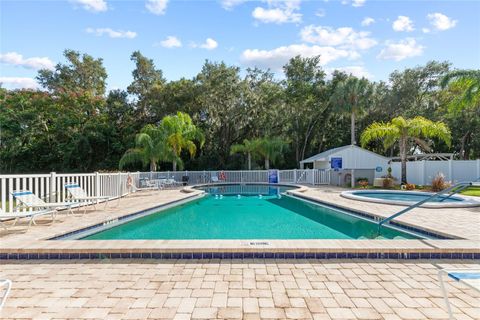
[214,179]
[469,277]
[77,193]
[26,214]
[8,285]
[147,185]
[30,200]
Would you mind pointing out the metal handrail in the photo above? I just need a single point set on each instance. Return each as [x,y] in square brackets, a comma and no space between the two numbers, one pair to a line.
[455,189]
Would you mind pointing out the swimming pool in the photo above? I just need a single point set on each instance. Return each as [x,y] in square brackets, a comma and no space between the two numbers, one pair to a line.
[249,212]
[409,197]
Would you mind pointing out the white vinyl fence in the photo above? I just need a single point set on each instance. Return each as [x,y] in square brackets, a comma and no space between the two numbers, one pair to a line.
[51,186]
[422,172]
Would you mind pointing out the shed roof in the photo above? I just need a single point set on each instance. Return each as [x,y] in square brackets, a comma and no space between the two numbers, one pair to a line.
[325,154]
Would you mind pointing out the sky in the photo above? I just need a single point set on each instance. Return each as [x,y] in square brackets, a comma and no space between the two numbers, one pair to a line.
[363,37]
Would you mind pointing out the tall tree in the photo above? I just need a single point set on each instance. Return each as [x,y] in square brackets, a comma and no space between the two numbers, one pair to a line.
[470,79]
[306,99]
[248,147]
[180,134]
[222,109]
[413,90]
[147,80]
[271,149]
[150,148]
[407,133]
[83,74]
[352,96]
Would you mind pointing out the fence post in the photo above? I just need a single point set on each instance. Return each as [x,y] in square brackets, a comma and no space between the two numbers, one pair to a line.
[97,184]
[450,170]
[478,169]
[295,175]
[53,185]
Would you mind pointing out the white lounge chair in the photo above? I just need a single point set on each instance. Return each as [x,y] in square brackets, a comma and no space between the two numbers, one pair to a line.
[77,193]
[214,179]
[469,277]
[8,285]
[26,214]
[147,185]
[30,200]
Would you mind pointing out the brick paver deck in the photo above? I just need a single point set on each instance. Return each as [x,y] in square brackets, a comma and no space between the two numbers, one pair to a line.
[463,223]
[230,289]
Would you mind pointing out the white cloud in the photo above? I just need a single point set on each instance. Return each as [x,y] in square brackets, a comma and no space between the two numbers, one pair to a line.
[357,71]
[171,42]
[367,21]
[112,33]
[279,12]
[440,21]
[209,44]
[403,49]
[321,13]
[230,4]
[18,83]
[157,7]
[35,63]
[93,5]
[403,23]
[355,3]
[425,30]
[276,58]
[358,3]
[345,37]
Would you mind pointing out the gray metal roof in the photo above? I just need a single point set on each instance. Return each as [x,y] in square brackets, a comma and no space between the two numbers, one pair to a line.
[327,153]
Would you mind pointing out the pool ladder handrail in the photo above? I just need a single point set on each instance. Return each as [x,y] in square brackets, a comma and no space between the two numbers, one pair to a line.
[453,189]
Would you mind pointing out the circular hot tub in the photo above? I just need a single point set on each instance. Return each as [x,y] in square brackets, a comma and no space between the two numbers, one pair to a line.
[407,198]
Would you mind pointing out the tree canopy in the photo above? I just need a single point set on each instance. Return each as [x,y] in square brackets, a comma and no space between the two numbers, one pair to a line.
[73,124]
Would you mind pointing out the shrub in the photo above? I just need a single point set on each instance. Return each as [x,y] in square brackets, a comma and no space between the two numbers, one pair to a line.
[363,183]
[410,186]
[362,179]
[439,183]
[388,183]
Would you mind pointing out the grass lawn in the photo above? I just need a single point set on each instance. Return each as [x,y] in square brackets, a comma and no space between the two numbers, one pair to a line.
[471,191]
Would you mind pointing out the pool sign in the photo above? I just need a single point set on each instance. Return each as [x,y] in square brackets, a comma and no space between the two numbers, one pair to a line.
[336,163]
[272,176]
[379,169]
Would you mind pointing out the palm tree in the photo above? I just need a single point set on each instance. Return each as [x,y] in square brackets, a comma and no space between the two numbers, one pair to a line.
[271,149]
[406,132]
[470,77]
[350,96]
[181,134]
[249,147]
[150,148]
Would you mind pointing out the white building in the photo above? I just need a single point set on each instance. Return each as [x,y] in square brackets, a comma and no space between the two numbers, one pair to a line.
[349,163]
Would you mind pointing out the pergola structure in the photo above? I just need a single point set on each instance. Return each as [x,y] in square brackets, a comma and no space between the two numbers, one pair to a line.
[426,156]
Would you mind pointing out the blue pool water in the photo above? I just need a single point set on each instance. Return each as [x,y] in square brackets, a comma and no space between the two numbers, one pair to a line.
[248,212]
[404,196]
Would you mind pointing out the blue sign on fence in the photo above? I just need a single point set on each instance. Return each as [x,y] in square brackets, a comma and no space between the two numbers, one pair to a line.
[272,176]
[379,169]
[336,163]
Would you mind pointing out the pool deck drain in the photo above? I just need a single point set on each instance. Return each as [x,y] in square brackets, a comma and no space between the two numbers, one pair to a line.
[20,243]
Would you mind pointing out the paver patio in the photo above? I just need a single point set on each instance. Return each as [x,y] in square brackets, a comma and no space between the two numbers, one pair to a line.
[230,289]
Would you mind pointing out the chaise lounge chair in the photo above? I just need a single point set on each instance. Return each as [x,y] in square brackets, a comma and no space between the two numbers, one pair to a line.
[469,277]
[30,200]
[77,193]
[27,214]
[8,285]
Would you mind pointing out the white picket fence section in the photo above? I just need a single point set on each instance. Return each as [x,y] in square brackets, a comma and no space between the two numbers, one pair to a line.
[422,172]
[51,187]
